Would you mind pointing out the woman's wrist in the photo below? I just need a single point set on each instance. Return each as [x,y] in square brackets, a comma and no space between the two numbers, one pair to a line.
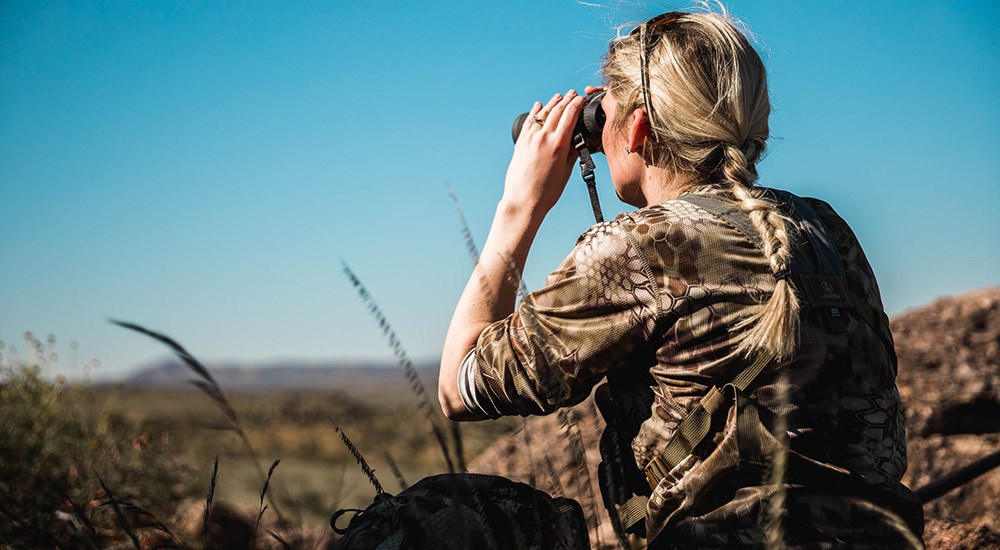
[514,227]
[520,212]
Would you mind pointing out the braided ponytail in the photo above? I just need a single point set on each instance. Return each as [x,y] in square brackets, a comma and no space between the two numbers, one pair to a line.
[775,328]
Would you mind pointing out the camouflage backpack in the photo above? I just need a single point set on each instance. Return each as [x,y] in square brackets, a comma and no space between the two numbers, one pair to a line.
[459,511]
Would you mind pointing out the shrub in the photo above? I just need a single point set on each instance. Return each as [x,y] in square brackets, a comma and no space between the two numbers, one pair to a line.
[54,459]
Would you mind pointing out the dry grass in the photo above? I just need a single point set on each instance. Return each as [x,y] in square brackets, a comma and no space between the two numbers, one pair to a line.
[133,430]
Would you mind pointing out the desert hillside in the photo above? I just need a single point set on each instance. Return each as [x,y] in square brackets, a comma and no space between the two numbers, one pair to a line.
[949,379]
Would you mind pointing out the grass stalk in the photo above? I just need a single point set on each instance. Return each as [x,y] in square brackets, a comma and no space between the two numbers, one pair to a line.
[210,387]
[281,540]
[554,476]
[396,472]
[568,423]
[456,437]
[119,514]
[134,510]
[532,477]
[470,244]
[513,274]
[263,492]
[365,468]
[892,520]
[416,385]
[211,496]
[773,531]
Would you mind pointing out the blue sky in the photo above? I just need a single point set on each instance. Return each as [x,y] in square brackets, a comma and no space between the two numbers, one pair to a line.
[202,168]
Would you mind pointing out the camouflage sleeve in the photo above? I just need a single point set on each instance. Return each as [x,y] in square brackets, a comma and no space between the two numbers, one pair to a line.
[598,306]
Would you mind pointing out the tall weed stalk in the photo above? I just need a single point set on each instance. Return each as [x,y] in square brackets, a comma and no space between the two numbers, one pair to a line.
[263,492]
[211,388]
[892,520]
[532,476]
[120,515]
[514,278]
[211,497]
[365,468]
[470,243]
[416,385]
[779,462]
[396,472]
[513,275]
[551,384]
[568,424]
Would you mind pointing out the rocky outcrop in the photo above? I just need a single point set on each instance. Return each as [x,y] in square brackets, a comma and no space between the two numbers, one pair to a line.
[949,380]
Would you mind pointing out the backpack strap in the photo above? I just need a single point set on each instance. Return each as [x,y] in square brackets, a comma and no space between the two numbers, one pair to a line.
[696,425]
[728,212]
[694,428]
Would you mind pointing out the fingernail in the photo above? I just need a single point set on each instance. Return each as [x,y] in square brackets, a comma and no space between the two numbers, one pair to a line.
[571,92]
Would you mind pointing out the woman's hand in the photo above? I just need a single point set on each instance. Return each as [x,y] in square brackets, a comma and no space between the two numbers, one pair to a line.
[543,155]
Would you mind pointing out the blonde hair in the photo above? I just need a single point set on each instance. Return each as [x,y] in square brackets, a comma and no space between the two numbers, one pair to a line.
[708,108]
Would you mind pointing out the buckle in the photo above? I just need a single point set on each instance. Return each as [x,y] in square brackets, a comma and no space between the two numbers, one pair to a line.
[712,400]
[655,471]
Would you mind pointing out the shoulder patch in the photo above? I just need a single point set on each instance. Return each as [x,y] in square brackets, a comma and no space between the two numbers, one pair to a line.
[825,290]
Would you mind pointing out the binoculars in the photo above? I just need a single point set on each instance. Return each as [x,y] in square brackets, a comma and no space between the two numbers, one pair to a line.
[589,125]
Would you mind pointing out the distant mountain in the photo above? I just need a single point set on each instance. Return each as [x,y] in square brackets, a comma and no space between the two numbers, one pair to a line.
[348,376]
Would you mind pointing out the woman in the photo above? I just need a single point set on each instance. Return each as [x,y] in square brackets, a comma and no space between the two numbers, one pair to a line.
[757,299]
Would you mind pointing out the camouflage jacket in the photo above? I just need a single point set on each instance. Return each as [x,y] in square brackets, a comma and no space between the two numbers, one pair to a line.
[651,299]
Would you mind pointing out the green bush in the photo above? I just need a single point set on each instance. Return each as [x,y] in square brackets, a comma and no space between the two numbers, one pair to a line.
[53,457]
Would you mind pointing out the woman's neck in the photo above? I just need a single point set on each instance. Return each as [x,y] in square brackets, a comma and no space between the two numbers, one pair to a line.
[661,184]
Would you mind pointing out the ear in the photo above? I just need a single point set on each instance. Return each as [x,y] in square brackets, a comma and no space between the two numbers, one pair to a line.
[638,129]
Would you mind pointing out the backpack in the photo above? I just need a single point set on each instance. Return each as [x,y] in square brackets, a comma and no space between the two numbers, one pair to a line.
[625,486]
[459,511]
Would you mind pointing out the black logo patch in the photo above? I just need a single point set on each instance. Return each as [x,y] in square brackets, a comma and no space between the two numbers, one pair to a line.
[825,291]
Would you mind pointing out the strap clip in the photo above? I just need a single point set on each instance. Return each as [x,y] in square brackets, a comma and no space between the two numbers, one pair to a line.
[712,400]
[655,471]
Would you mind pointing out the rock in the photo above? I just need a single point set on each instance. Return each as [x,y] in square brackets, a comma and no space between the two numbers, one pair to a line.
[949,380]
[949,364]
[951,535]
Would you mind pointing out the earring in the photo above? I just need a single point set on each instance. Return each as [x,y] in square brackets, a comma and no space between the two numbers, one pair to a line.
[627,150]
